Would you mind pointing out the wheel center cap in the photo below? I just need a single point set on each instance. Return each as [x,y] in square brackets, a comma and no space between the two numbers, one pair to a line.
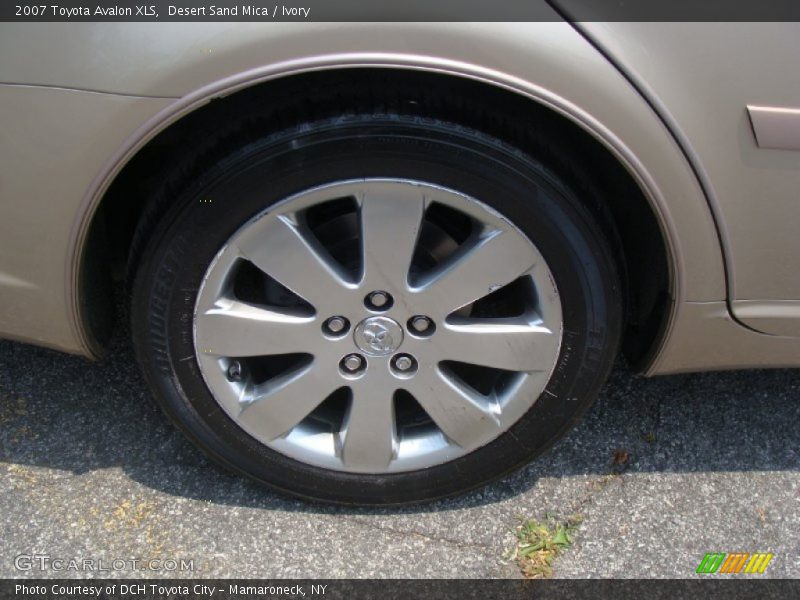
[378,336]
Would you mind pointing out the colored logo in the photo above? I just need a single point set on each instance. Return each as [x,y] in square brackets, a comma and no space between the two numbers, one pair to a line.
[736,562]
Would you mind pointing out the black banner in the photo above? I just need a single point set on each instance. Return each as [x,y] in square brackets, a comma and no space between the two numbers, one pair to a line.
[403,10]
[461,589]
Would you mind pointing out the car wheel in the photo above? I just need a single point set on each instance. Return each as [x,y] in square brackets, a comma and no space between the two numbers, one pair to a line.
[375,309]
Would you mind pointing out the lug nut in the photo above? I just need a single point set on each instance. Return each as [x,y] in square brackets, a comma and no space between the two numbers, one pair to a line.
[421,324]
[352,363]
[235,371]
[336,324]
[379,300]
[404,363]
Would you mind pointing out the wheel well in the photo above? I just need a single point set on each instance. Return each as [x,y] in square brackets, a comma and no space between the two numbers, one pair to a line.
[140,192]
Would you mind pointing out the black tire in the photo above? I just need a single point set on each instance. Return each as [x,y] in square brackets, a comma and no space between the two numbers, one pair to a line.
[243,182]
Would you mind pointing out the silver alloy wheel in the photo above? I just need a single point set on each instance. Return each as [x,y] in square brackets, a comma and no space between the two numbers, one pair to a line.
[377,395]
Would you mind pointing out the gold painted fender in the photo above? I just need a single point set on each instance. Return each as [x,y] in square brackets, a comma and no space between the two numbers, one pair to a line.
[549,63]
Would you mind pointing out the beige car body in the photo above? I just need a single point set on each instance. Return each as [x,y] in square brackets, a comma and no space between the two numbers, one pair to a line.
[668,100]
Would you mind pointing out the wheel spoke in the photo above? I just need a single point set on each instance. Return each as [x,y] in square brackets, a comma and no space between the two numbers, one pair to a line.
[290,253]
[370,434]
[391,217]
[514,347]
[462,415]
[234,328]
[492,262]
[275,407]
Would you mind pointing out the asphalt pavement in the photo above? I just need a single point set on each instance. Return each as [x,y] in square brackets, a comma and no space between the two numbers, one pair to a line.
[661,470]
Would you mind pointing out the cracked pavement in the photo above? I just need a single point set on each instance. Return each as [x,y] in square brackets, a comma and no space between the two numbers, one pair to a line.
[91,469]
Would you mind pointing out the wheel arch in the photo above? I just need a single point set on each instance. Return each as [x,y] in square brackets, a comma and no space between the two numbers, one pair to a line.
[114,203]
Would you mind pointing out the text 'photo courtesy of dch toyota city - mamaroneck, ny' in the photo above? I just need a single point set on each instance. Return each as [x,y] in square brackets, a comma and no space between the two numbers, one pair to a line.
[486,299]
